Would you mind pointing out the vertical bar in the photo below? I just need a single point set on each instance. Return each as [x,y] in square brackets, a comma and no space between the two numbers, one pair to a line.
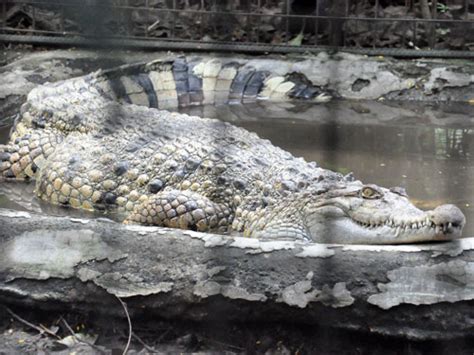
[466,9]
[434,15]
[287,29]
[147,17]
[316,23]
[214,16]
[201,18]
[346,14]
[249,23]
[376,24]
[174,14]
[4,13]
[259,17]
[403,38]
[33,18]
[61,18]
[127,17]
[415,24]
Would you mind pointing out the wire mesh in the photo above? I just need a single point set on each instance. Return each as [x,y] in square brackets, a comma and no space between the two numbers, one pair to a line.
[407,26]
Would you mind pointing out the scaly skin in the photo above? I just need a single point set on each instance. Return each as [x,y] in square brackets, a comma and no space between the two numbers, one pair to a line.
[88,148]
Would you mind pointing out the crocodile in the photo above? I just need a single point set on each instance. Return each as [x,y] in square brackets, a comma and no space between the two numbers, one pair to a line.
[107,141]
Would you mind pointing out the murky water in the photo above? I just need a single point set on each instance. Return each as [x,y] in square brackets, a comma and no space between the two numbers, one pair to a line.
[426,148]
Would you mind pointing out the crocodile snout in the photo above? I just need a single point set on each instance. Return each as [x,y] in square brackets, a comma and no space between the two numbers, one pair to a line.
[448,218]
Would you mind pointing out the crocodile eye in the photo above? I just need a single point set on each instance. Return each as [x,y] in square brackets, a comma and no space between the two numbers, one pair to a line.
[370,193]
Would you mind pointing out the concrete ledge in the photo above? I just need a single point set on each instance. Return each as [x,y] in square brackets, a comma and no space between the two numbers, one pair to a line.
[415,291]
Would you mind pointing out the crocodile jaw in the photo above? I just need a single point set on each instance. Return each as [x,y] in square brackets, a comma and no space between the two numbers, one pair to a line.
[331,224]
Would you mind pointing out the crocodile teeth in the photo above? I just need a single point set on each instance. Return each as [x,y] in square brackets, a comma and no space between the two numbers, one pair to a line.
[397,232]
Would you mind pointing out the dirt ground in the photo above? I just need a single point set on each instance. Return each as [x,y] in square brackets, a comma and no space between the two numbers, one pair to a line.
[36,332]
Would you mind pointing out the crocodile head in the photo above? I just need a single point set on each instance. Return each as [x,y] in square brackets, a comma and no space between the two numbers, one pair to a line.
[369,214]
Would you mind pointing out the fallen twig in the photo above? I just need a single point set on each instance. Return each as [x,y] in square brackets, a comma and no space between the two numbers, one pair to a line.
[42,329]
[146,346]
[130,331]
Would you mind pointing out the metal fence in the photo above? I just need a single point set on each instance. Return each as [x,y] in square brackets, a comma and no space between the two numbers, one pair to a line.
[401,28]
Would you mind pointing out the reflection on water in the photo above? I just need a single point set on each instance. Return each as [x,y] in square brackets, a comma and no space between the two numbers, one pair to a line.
[454,142]
[428,150]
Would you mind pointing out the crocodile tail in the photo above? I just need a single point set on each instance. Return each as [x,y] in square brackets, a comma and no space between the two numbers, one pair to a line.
[81,104]
[183,82]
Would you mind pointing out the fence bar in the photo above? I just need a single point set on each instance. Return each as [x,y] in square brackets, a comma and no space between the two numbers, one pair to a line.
[225,46]
[316,23]
[288,14]
[288,9]
[4,13]
[248,16]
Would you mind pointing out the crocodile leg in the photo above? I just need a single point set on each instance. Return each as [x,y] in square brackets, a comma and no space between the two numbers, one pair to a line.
[22,159]
[182,209]
[283,221]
